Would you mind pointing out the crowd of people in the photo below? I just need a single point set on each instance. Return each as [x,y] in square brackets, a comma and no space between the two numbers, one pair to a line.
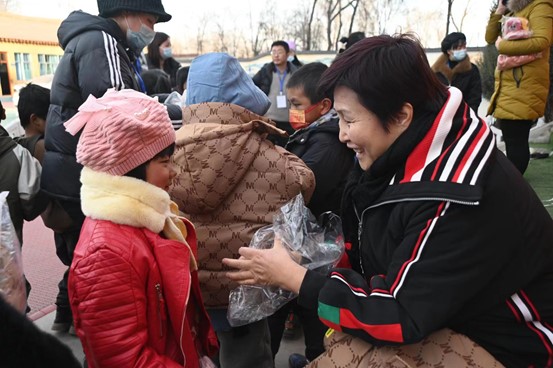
[155,178]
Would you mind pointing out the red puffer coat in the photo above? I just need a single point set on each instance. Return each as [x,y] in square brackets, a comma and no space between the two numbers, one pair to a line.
[128,310]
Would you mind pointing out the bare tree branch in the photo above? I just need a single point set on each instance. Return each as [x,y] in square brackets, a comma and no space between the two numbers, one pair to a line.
[310,26]
[355,6]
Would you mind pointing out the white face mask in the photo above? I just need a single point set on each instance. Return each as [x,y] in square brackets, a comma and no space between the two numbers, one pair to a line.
[290,58]
[167,52]
[459,55]
[138,40]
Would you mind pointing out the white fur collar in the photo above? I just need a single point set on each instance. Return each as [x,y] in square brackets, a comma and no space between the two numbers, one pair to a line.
[124,200]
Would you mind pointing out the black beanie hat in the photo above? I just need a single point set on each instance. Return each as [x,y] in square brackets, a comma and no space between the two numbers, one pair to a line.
[452,39]
[108,8]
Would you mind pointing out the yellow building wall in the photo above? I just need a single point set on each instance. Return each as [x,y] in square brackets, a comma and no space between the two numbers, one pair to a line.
[33,50]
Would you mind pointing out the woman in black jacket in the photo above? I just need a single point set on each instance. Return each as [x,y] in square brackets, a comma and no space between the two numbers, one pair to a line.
[160,56]
[442,230]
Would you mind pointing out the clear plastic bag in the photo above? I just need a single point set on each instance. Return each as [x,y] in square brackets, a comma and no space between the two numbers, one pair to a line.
[12,282]
[175,98]
[317,245]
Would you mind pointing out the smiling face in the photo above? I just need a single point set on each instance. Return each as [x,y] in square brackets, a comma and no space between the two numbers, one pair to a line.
[160,172]
[361,130]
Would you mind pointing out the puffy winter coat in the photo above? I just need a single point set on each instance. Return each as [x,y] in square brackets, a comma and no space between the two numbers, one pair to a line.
[521,93]
[231,181]
[95,60]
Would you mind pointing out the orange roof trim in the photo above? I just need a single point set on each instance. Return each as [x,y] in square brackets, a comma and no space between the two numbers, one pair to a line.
[15,28]
[28,42]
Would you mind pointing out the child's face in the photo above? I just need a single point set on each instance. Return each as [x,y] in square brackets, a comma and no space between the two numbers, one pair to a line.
[298,101]
[160,172]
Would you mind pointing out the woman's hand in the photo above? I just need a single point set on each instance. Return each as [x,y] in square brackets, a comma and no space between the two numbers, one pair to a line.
[272,267]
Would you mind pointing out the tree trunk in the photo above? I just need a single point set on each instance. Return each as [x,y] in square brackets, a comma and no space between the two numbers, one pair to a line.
[350,31]
[449,5]
[308,43]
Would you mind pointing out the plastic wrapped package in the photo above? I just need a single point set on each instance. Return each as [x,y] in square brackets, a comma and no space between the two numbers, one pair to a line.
[316,245]
[12,282]
[514,28]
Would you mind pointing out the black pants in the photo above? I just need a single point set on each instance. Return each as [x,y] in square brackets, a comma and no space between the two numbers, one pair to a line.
[65,246]
[313,329]
[515,135]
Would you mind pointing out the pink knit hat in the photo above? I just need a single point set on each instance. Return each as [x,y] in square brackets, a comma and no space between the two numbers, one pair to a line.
[122,130]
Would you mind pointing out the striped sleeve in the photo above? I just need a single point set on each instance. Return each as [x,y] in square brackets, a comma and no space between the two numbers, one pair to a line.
[114,61]
[429,277]
[99,68]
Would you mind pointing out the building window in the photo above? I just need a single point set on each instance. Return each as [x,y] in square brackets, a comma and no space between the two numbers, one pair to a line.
[22,66]
[48,63]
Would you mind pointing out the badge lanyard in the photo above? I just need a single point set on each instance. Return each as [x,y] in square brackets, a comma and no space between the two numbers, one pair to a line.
[281,78]
[138,77]
[281,98]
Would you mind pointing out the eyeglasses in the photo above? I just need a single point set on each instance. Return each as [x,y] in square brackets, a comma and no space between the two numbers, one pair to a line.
[277,53]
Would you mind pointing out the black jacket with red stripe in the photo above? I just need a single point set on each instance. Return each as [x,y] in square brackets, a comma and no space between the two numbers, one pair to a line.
[453,237]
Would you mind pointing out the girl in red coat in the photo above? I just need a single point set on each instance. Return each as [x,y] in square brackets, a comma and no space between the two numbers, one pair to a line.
[133,282]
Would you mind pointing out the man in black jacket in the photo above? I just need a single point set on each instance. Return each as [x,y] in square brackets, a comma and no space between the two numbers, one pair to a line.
[272,79]
[100,53]
[454,68]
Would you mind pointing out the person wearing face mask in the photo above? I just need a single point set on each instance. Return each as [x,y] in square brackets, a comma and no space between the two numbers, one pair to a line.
[99,53]
[292,56]
[160,56]
[454,68]
[450,250]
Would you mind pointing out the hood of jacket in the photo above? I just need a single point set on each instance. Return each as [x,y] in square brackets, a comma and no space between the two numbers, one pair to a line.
[518,5]
[79,22]
[219,77]
[215,149]
[6,142]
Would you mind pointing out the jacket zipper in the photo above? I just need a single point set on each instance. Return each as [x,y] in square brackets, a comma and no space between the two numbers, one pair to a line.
[184,319]
[360,218]
[159,305]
